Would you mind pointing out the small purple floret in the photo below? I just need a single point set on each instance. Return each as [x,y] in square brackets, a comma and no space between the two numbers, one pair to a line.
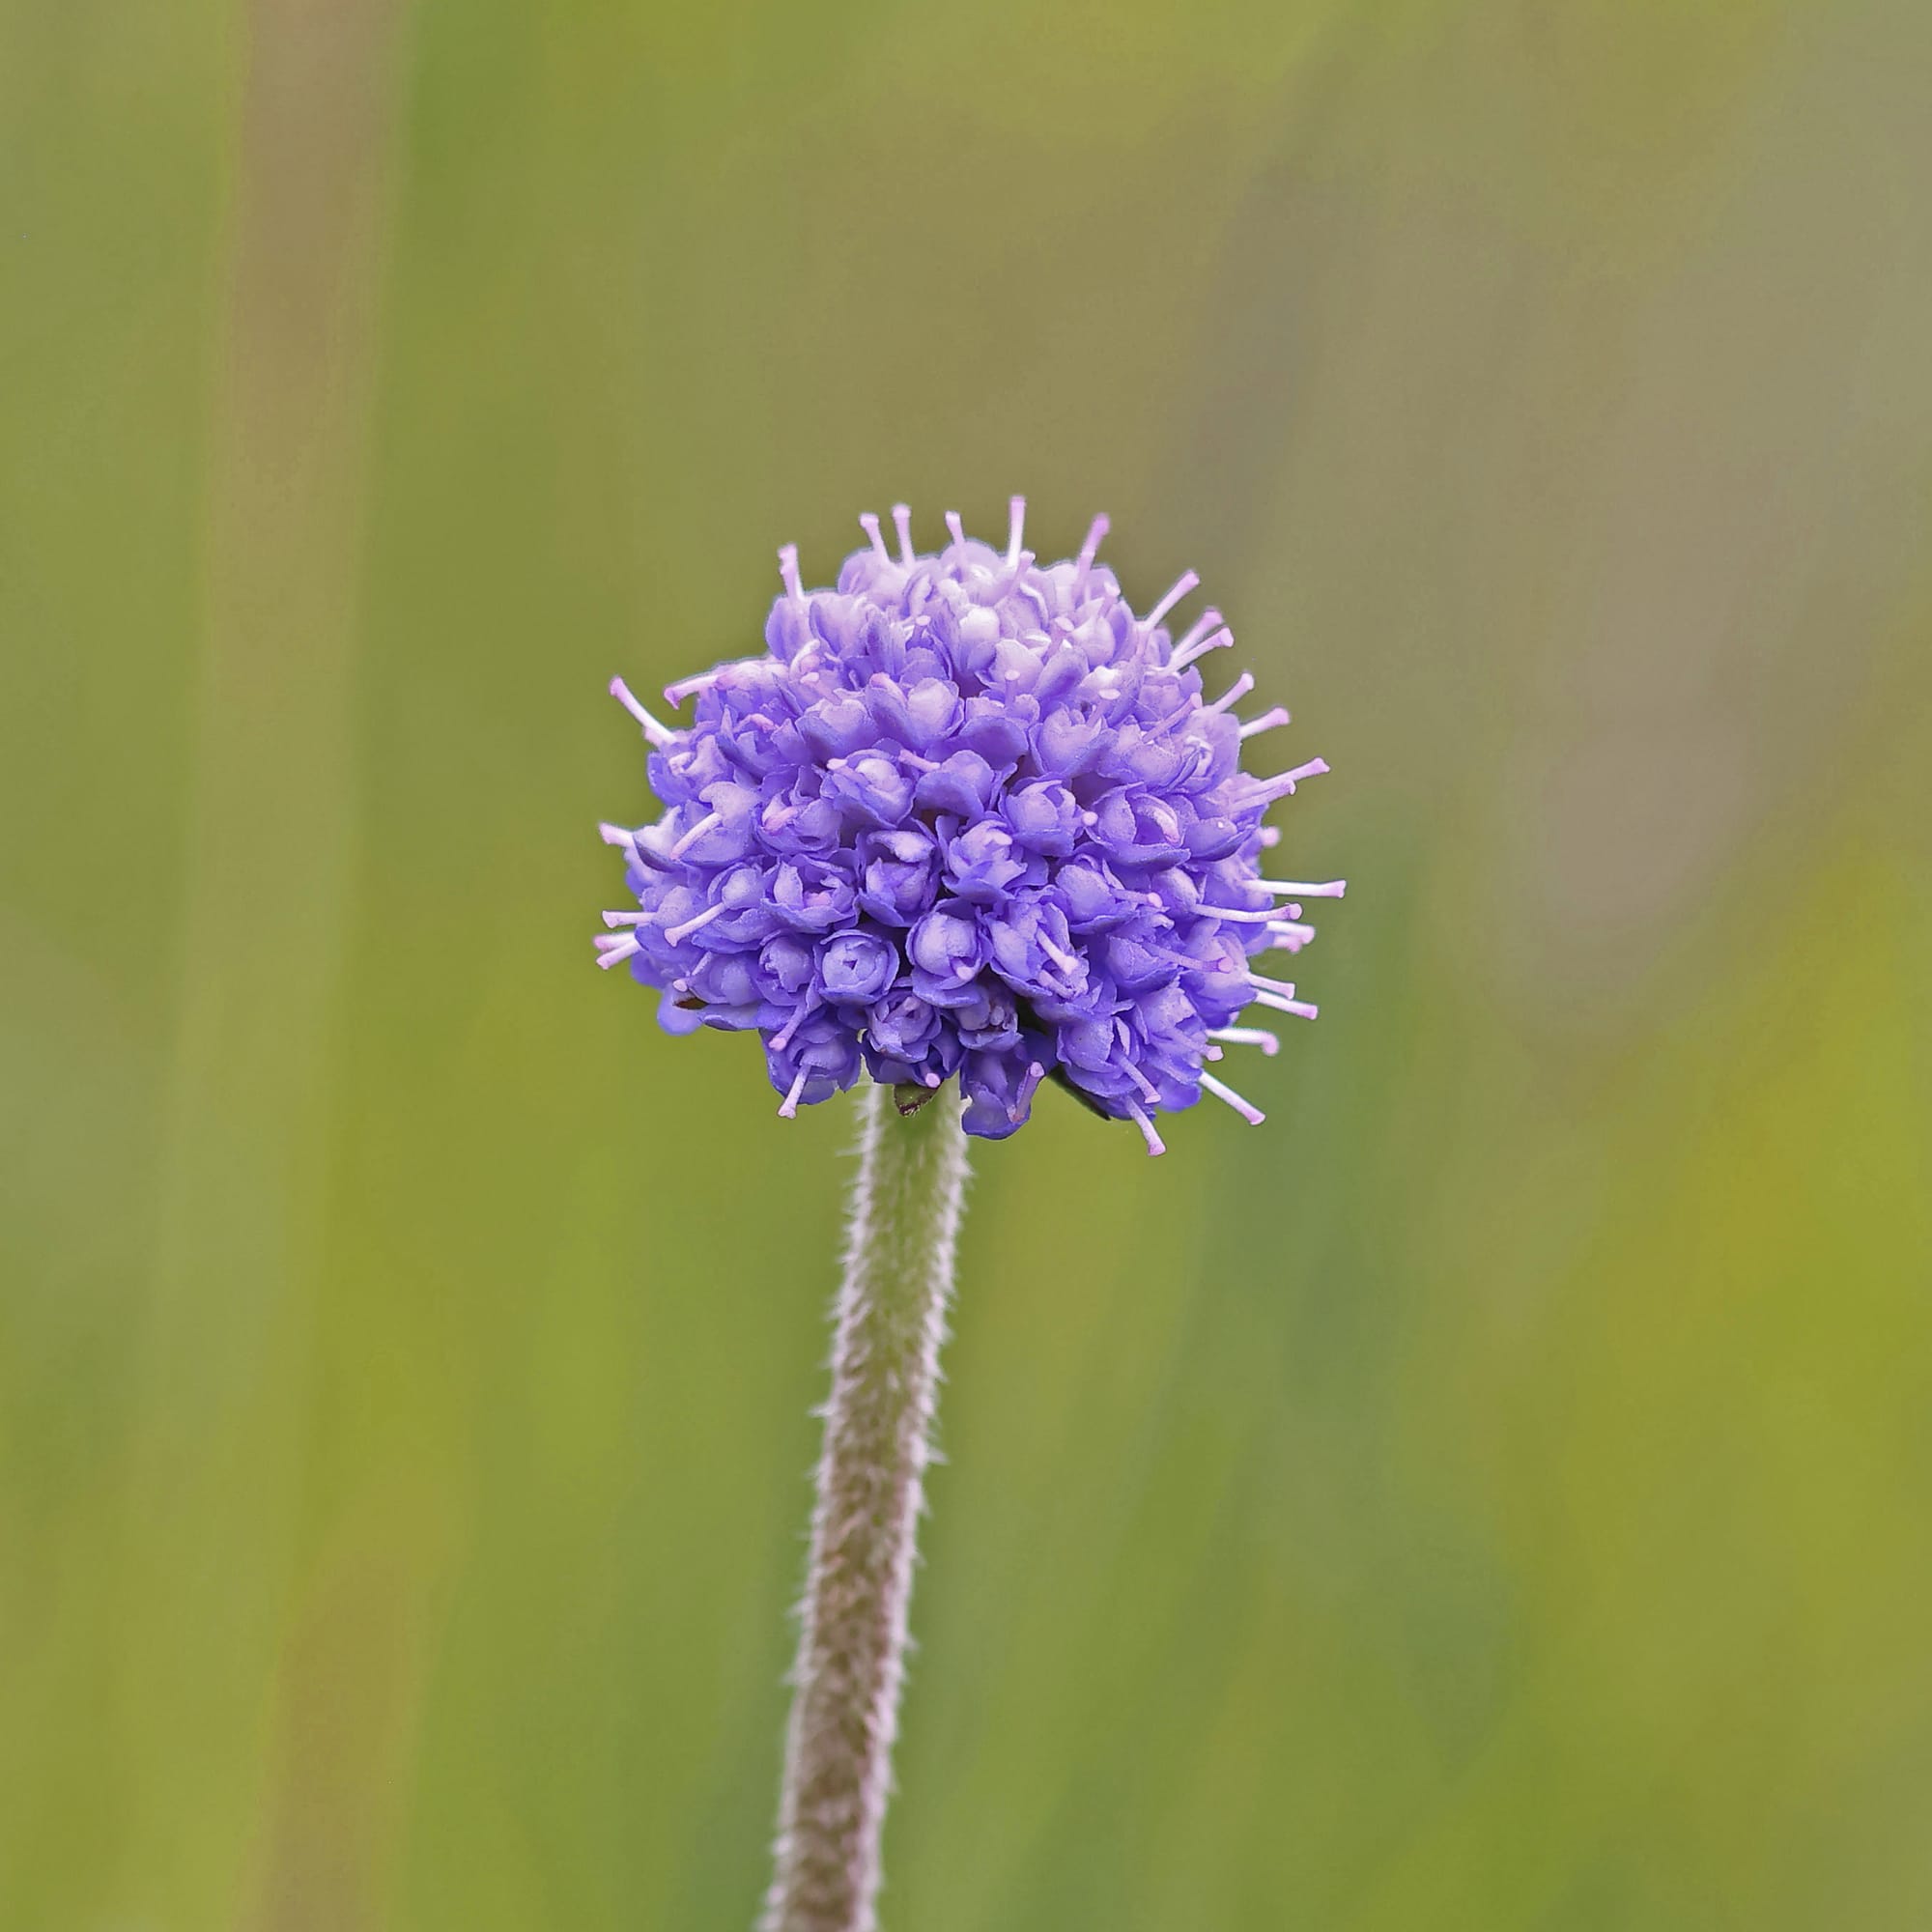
[968,816]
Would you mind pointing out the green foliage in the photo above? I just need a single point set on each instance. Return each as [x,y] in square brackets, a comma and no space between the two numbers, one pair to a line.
[1493,1493]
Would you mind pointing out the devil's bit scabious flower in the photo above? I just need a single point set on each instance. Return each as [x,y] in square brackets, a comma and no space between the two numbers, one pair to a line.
[967,814]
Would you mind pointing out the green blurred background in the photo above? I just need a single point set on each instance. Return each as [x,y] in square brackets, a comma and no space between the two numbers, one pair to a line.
[1495,1494]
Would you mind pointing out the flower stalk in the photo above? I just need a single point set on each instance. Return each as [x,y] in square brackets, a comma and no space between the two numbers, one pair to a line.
[890,1323]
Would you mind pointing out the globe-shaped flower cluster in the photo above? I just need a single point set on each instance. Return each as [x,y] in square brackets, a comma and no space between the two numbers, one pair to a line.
[967,815]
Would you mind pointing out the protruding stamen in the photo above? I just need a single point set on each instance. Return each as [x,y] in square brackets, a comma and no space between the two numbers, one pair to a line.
[1265,916]
[1302,1010]
[1333,889]
[710,822]
[1154,1143]
[1288,936]
[788,570]
[621,918]
[1059,956]
[1270,836]
[1234,693]
[1283,785]
[1183,713]
[1267,721]
[1091,549]
[782,1038]
[689,687]
[957,529]
[1015,523]
[654,732]
[1221,1090]
[869,524]
[1141,1081]
[788,1106]
[1196,631]
[902,522]
[1248,1037]
[1188,581]
[611,949]
[1215,640]
[617,835]
[1034,1074]
[676,935]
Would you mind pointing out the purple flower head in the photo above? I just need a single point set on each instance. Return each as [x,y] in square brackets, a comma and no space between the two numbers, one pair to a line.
[967,815]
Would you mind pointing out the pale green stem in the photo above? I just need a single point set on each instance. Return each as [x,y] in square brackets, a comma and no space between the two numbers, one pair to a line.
[891,1322]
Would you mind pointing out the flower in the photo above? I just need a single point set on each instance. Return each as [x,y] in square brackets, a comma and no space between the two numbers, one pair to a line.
[967,814]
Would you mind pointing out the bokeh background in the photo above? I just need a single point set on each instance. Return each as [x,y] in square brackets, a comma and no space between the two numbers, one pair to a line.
[1498,1493]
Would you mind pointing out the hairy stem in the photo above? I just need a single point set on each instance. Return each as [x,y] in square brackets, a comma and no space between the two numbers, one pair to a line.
[885,1375]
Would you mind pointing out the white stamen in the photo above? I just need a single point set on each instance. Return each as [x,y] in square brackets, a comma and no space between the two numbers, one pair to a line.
[1197,630]
[1183,713]
[869,524]
[676,935]
[902,522]
[1269,835]
[958,528]
[1064,961]
[616,919]
[788,570]
[1091,549]
[1249,1036]
[689,687]
[1264,917]
[710,822]
[612,949]
[1235,692]
[1283,784]
[930,1077]
[1284,987]
[654,732]
[1217,641]
[788,1106]
[617,835]
[1268,721]
[1288,937]
[1188,581]
[1034,1074]
[1016,515]
[1300,1008]
[1141,1081]
[782,1038]
[1154,1143]
[1333,889]
[1251,1114]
